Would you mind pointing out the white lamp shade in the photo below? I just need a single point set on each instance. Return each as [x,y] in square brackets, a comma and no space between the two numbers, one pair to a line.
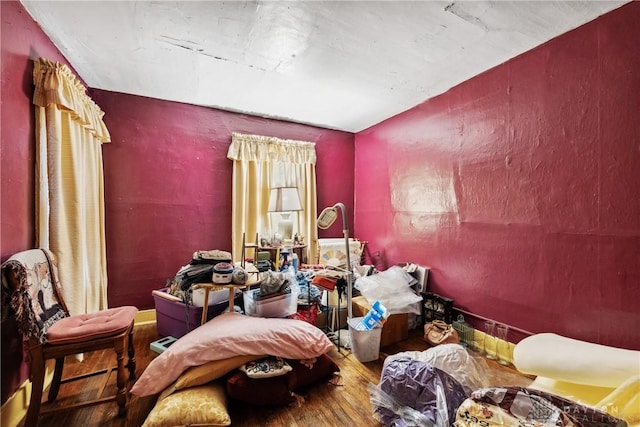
[284,199]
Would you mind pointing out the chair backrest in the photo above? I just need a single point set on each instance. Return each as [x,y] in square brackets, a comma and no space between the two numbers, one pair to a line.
[30,285]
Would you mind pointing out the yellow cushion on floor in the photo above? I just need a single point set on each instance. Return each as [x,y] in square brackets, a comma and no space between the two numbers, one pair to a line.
[204,405]
[207,372]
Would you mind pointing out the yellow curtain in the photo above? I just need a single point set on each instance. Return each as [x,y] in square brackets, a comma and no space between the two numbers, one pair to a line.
[260,163]
[69,184]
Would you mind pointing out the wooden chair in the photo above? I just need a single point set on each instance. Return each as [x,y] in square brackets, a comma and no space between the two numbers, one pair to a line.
[252,246]
[30,280]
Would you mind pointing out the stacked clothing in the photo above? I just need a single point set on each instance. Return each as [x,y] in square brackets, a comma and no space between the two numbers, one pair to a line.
[199,270]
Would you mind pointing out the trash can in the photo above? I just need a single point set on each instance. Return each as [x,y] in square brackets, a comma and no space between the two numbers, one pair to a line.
[365,345]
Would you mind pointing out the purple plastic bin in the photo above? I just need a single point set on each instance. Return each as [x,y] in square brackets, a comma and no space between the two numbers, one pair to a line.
[175,319]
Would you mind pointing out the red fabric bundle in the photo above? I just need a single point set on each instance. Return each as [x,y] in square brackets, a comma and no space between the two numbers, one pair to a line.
[308,314]
[328,283]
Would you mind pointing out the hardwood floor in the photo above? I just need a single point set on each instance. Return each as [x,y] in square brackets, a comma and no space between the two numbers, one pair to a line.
[324,404]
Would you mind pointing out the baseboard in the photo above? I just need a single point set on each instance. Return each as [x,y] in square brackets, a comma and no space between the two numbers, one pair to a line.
[15,408]
[144,317]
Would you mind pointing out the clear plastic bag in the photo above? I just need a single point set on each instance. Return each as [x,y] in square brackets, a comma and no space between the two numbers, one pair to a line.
[390,287]
[415,393]
[407,416]
[392,406]
[469,371]
[518,406]
[282,281]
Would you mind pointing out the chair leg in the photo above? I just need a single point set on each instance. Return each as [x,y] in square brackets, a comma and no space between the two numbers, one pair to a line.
[121,378]
[132,356]
[57,377]
[37,384]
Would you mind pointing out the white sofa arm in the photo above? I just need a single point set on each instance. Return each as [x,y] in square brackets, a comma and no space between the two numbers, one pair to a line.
[566,359]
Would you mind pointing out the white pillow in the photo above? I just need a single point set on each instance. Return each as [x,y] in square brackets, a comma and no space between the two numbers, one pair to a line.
[580,362]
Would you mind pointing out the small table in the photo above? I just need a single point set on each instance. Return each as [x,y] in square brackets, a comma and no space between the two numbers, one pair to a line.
[208,287]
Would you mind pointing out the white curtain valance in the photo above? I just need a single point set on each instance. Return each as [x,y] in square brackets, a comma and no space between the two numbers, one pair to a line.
[56,84]
[257,148]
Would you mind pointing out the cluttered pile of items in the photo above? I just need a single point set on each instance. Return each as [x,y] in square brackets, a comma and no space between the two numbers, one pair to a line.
[213,266]
[285,291]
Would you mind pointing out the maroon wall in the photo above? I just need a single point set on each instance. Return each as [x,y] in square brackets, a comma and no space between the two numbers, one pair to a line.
[520,188]
[22,41]
[168,184]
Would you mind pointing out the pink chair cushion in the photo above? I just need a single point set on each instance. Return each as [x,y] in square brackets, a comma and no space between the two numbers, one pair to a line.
[81,327]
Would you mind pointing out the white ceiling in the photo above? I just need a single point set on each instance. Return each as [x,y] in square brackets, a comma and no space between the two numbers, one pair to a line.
[343,65]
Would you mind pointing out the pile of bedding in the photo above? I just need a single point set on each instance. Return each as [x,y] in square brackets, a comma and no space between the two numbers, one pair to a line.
[261,361]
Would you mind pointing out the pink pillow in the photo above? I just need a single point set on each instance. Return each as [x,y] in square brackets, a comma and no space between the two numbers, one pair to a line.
[229,335]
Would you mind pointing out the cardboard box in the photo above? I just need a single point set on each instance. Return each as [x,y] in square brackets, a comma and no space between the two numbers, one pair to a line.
[395,329]
[326,318]
[175,319]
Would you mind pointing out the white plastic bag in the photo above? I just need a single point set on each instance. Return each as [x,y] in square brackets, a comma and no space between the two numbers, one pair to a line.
[471,372]
[392,288]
